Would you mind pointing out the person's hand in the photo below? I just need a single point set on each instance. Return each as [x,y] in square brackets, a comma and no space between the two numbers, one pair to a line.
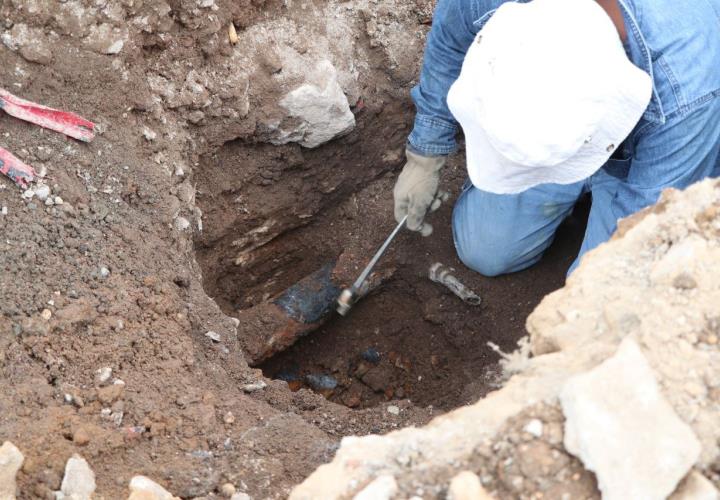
[416,190]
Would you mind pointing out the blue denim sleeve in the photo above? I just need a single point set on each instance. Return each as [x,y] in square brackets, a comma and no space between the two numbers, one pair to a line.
[451,34]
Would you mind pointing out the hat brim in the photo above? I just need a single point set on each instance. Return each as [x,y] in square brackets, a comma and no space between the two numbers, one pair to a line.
[493,172]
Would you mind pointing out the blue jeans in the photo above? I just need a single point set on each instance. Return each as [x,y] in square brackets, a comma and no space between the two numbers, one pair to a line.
[497,234]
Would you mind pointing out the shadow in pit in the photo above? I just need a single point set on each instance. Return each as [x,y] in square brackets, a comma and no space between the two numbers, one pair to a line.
[412,339]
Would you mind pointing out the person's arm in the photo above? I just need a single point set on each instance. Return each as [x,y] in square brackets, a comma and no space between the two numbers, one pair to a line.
[451,34]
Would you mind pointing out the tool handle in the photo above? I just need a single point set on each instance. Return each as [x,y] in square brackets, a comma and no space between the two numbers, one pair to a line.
[368,269]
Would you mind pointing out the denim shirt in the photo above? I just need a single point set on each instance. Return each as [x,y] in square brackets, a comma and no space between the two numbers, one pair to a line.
[676,43]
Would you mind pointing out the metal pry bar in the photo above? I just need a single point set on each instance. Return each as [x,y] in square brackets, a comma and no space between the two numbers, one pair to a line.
[349,295]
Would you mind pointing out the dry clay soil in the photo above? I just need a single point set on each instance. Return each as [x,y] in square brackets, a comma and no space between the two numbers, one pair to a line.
[182,416]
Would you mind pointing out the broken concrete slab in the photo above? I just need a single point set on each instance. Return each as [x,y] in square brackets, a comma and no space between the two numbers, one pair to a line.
[621,427]
[10,462]
[79,480]
[319,107]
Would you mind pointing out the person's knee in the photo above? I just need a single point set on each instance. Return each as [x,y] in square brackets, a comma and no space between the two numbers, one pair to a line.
[481,249]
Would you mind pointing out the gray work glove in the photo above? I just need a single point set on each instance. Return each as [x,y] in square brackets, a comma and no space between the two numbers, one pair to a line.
[416,190]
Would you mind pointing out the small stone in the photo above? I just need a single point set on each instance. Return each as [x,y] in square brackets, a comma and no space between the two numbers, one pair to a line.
[111,393]
[467,486]
[79,480]
[46,314]
[321,382]
[59,201]
[684,281]
[534,427]
[42,192]
[4,210]
[10,462]
[393,410]
[712,339]
[143,488]
[240,496]
[28,194]
[214,336]
[149,134]
[104,272]
[229,418]
[81,437]
[383,488]
[696,487]
[227,490]
[371,355]
[102,375]
[181,223]
[255,386]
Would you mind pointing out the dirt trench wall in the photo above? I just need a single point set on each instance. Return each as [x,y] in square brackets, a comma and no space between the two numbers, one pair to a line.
[108,278]
[657,283]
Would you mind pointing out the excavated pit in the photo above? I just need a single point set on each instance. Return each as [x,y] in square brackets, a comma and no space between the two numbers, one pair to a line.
[277,214]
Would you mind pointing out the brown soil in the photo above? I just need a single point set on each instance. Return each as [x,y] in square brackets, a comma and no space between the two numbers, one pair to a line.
[182,417]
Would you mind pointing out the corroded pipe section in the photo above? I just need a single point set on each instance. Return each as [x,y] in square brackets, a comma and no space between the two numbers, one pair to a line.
[273,326]
[442,274]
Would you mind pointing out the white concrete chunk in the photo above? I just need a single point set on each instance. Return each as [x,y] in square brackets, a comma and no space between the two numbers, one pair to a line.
[382,488]
[621,427]
[696,487]
[79,480]
[142,487]
[466,486]
[10,462]
[321,107]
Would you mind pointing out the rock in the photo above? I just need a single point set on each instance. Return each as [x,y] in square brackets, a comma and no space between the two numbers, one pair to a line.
[321,382]
[46,314]
[683,281]
[393,410]
[382,488]
[79,480]
[181,223]
[104,272]
[102,375]
[371,355]
[621,427]
[81,437]
[105,39]
[227,490]
[240,496]
[696,487]
[467,486]
[110,394]
[255,386]
[10,462]
[214,336]
[32,43]
[42,192]
[320,108]
[534,427]
[143,488]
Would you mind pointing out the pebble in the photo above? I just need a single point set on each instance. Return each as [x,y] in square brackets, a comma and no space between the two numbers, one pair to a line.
[142,487]
[59,201]
[181,223]
[149,134]
[102,375]
[534,427]
[10,462]
[229,418]
[255,386]
[4,210]
[104,272]
[321,382]
[79,480]
[467,486]
[240,496]
[81,437]
[227,490]
[214,336]
[684,281]
[393,410]
[42,192]
[371,355]
[46,314]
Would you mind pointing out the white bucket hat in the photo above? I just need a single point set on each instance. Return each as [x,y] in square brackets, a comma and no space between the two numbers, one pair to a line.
[546,93]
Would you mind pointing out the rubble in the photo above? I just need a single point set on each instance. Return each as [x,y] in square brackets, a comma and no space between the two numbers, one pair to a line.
[621,427]
[320,106]
[144,488]
[10,462]
[622,289]
[78,482]
[467,486]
